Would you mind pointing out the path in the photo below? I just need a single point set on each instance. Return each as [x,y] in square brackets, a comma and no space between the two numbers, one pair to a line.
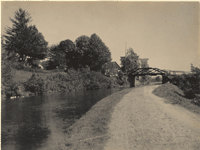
[143,121]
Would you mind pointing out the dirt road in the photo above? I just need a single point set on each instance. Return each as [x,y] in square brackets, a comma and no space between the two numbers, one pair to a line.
[143,121]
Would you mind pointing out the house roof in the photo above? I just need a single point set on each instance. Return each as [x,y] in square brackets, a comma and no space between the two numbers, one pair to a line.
[111,65]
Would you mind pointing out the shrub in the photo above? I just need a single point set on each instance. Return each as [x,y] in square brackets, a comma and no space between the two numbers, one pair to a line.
[35,84]
[189,83]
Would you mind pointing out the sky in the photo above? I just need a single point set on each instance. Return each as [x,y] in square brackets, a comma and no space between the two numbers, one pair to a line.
[167,33]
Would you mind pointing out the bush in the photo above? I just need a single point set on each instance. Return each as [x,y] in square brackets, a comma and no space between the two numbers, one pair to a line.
[158,79]
[35,84]
[145,79]
[189,83]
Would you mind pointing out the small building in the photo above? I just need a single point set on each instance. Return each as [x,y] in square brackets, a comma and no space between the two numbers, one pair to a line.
[110,69]
[144,62]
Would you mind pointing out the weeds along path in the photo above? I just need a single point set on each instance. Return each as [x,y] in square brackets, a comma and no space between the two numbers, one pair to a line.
[142,121]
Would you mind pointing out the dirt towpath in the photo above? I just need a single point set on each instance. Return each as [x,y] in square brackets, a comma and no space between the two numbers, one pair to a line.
[143,121]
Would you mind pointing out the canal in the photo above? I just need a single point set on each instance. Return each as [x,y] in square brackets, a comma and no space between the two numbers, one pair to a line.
[39,122]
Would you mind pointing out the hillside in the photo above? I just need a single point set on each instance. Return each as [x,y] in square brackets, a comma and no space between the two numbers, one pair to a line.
[176,96]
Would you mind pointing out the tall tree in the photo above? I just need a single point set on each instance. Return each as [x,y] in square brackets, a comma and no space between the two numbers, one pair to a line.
[24,41]
[82,50]
[57,57]
[98,53]
[63,55]
[130,61]
[69,51]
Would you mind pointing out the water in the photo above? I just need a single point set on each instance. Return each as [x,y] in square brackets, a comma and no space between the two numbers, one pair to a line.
[39,122]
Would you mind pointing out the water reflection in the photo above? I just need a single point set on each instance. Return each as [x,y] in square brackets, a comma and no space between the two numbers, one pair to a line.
[39,122]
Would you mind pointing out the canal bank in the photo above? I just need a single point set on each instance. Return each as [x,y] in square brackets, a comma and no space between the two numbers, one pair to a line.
[134,118]
[90,131]
[26,83]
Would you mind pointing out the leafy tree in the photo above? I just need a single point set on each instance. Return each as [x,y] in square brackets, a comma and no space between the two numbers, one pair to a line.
[7,73]
[57,57]
[91,52]
[130,61]
[70,54]
[64,55]
[195,79]
[195,69]
[158,79]
[24,41]
[83,50]
[98,53]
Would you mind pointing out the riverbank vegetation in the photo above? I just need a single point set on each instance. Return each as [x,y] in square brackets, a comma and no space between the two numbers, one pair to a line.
[69,66]
[189,84]
[175,95]
[184,90]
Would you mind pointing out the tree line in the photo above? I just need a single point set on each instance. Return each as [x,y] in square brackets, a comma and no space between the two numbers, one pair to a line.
[23,43]
[85,51]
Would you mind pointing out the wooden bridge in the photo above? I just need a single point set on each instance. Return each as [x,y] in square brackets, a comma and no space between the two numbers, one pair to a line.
[146,71]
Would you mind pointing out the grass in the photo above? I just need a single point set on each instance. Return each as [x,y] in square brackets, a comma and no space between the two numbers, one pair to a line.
[90,132]
[175,96]
[22,76]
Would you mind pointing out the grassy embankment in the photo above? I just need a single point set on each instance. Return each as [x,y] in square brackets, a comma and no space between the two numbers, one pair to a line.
[27,83]
[90,132]
[176,96]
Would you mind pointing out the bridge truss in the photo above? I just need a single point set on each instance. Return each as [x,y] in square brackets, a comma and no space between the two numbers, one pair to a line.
[147,71]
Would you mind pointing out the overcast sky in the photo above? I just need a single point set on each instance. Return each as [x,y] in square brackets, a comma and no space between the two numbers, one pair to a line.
[166,33]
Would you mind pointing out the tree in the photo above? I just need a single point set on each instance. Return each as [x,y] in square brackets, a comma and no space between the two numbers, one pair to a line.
[57,57]
[24,41]
[63,55]
[82,50]
[130,61]
[98,53]
[70,54]
[91,52]
[158,79]
[195,79]
[195,70]
[7,72]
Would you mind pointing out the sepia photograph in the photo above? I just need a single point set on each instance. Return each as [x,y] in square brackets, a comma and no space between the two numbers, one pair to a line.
[100,75]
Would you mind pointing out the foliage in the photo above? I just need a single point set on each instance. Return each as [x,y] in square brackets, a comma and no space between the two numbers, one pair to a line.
[131,61]
[120,74]
[71,81]
[82,50]
[145,79]
[70,53]
[158,79]
[57,57]
[44,64]
[35,85]
[195,70]
[98,54]
[189,83]
[91,52]
[175,95]
[7,74]
[24,41]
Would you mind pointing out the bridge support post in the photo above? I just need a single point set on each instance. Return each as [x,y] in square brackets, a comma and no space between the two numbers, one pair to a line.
[132,81]
[164,79]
